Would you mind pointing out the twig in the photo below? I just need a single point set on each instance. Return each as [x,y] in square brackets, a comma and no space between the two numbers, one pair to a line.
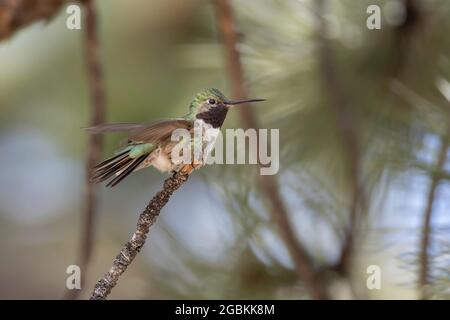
[133,246]
[437,176]
[404,34]
[346,125]
[299,255]
[423,256]
[98,110]
[16,14]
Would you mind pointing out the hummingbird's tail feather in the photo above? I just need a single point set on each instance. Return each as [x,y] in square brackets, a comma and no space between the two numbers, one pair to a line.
[103,174]
[123,173]
[122,164]
[111,160]
[111,166]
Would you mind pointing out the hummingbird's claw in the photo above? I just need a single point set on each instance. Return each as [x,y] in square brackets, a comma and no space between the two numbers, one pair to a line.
[187,169]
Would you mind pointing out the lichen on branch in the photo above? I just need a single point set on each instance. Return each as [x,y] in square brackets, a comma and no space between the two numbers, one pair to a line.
[147,218]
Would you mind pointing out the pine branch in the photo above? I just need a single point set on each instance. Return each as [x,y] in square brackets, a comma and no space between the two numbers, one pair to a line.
[269,187]
[133,246]
[98,110]
[338,104]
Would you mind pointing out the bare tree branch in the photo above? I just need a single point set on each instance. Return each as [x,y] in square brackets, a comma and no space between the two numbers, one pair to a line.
[299,255]
[346,125]
[15,14]
[98,110]
[133,246]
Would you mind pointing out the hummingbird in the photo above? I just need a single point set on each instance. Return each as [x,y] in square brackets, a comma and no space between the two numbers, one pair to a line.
[151,144]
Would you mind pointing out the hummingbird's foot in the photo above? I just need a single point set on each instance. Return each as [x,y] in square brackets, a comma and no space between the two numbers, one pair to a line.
[187,169]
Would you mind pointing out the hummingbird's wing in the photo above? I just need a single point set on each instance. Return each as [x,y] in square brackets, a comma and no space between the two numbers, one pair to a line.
[159,131]
[140,132]
[143,140]
[115,127]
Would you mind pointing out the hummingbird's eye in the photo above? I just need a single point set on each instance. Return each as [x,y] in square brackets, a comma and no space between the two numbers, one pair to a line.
[212,101]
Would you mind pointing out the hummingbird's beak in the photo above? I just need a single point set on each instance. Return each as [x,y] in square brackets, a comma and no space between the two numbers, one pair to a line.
[235,102]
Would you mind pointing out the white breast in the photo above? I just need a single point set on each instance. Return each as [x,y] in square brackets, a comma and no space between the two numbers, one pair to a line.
[209,137]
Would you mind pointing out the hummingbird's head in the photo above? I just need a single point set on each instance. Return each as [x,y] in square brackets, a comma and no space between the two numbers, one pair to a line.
[210,99]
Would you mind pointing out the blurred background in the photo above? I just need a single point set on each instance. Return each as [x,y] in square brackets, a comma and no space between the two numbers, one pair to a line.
[364,120]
